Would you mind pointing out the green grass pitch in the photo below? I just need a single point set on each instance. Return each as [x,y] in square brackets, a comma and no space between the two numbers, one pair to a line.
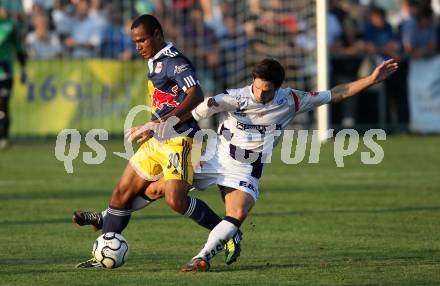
[315,224]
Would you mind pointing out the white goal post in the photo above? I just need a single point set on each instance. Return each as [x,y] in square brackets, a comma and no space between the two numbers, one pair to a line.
[322,68]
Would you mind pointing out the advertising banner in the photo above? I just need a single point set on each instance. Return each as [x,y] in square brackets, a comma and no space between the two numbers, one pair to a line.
[424,95]
[77,94]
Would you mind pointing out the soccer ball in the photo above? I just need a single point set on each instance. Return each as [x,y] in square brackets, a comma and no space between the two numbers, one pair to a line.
[110,249]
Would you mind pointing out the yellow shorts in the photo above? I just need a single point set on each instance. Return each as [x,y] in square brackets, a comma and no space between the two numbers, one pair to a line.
[168,158]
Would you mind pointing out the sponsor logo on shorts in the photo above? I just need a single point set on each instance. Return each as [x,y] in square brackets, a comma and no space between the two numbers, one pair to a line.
[247,185]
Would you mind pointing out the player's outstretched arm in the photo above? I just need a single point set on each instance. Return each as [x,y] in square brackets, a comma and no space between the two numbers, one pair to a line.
[380,73]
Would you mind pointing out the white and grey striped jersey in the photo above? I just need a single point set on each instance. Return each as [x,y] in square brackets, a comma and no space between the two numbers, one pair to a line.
[250,121]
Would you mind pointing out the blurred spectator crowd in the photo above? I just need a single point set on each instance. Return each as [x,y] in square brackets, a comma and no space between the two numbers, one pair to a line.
[368,29]
[362,36]
[224,38]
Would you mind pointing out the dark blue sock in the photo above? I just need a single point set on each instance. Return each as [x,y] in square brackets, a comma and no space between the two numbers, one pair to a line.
[201,213]
[116,220]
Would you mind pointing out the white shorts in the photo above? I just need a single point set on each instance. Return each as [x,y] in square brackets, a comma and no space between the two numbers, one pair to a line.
[228,172]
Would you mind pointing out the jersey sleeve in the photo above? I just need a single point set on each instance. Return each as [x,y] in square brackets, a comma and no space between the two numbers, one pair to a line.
[305,101]
[183,73]
[219,103]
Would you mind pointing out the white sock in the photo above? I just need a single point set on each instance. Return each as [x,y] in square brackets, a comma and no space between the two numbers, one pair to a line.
[217,239]
[138,203]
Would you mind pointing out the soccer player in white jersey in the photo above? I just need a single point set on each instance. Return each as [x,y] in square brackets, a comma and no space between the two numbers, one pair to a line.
[249,116]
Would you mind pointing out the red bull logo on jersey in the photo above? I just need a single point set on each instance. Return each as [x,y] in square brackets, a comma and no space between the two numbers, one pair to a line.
[160,98]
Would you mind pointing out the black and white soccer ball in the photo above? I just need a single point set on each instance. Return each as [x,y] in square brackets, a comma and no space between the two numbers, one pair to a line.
[111,250]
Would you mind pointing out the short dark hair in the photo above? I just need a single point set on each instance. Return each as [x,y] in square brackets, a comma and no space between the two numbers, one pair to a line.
[269,70]
[149,22]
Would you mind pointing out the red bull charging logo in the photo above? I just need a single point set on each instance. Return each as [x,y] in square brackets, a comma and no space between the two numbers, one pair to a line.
[162,98]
